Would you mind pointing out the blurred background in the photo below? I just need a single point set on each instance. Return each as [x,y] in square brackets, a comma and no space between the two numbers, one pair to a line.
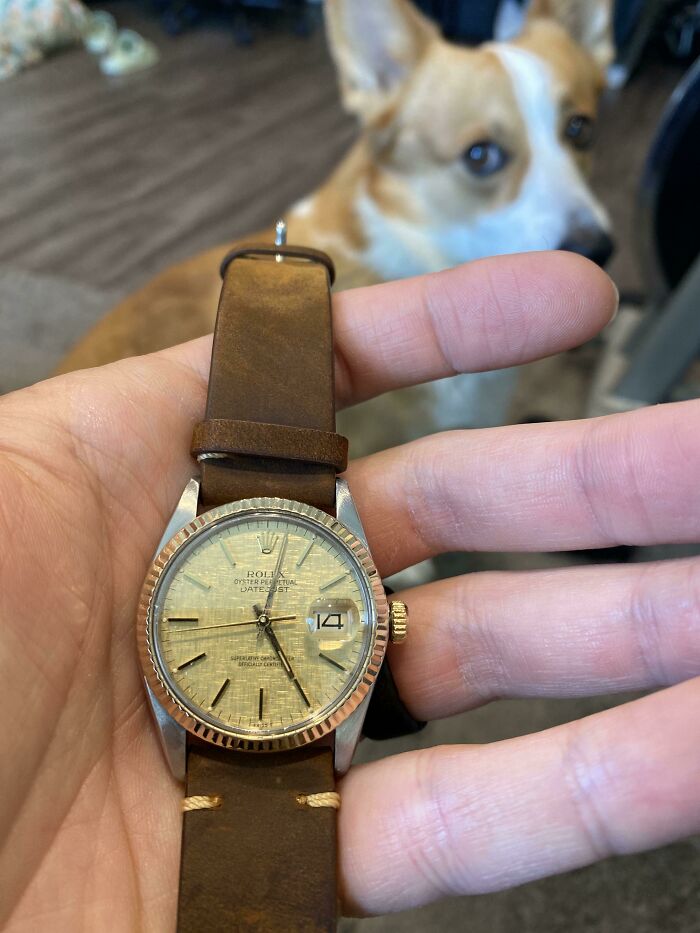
[135,135]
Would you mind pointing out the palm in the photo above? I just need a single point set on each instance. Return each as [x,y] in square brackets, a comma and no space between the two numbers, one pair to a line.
[91,466]
[92,810]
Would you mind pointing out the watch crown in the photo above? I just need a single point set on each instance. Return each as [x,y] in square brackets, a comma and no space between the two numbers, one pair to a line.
[398,621]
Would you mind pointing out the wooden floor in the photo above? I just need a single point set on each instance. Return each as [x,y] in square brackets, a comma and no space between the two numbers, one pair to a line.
[104,182]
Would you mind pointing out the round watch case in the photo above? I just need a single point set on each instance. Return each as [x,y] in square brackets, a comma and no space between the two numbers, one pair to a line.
[348,701]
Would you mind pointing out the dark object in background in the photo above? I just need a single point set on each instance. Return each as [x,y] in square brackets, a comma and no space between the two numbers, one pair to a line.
[669,194]
[627,16]
[682,32]
[469,21]
[667,342]
[674,23]
[472,21]
[295,11]
[241,16]
[655,360]
[176,16]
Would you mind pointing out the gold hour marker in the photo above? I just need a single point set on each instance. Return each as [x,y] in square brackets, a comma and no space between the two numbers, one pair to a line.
[267,542]
[227,554]
[202,584]
[334,581]
[305,553]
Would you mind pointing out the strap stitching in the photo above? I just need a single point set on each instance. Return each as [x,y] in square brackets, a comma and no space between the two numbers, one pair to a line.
[202,802]
[327,799]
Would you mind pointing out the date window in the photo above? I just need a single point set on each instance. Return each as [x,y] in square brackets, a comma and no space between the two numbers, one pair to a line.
[332,622]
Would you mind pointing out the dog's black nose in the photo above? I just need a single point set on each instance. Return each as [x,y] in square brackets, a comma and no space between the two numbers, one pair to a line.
[592,242]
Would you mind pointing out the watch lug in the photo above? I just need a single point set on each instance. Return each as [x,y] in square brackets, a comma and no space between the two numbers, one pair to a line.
[347,736]
[186,511]
[170,734]
[348,733]
[346,512]
[172,737]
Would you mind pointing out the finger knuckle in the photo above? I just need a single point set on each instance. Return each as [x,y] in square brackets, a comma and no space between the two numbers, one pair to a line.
[585,777]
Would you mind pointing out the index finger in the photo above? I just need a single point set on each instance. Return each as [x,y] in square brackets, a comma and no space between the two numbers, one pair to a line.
[487,314]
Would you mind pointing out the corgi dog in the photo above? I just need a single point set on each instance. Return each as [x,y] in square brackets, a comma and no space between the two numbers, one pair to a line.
[462,153]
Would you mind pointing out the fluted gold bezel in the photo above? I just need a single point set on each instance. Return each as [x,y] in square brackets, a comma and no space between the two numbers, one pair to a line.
[347,702]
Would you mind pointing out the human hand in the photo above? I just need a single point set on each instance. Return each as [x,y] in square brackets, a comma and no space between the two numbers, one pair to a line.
[92,464]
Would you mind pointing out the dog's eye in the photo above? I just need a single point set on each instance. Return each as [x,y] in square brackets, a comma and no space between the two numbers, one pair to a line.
[580,131]
[485,158]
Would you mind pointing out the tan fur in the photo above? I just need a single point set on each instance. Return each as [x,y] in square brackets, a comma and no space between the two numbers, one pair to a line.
[588,22]
[580,76]
[406,163]
[370,87]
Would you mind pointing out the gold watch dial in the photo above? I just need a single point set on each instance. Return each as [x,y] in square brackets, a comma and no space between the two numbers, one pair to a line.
[262,623]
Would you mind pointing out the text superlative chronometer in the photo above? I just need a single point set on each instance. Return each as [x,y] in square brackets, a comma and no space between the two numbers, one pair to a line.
[263,622]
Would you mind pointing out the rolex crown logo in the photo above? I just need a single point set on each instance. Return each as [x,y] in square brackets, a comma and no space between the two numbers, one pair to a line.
[267,542]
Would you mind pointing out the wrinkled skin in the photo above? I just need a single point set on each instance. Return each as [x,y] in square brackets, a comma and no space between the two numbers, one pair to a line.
[91,465]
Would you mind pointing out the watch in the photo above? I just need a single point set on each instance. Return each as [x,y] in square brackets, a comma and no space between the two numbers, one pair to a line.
[263,622]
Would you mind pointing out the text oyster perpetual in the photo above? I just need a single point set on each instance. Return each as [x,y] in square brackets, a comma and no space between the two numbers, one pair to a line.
[263,622]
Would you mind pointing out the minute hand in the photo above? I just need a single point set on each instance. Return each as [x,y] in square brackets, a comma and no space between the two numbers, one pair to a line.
[275,577]
[285,663]
[279,651]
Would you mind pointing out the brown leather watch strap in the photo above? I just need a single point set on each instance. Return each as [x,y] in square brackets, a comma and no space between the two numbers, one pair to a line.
[272,364]
[264,860]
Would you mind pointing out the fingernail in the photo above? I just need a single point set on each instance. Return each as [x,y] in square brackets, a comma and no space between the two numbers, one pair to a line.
[617,301]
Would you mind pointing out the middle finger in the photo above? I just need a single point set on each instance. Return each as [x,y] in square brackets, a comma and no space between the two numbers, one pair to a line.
[622,479]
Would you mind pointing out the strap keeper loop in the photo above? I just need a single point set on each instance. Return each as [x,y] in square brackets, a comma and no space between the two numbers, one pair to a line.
[220,438]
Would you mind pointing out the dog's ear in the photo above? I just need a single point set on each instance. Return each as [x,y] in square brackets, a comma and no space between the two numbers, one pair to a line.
[589,22]
[376,44]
